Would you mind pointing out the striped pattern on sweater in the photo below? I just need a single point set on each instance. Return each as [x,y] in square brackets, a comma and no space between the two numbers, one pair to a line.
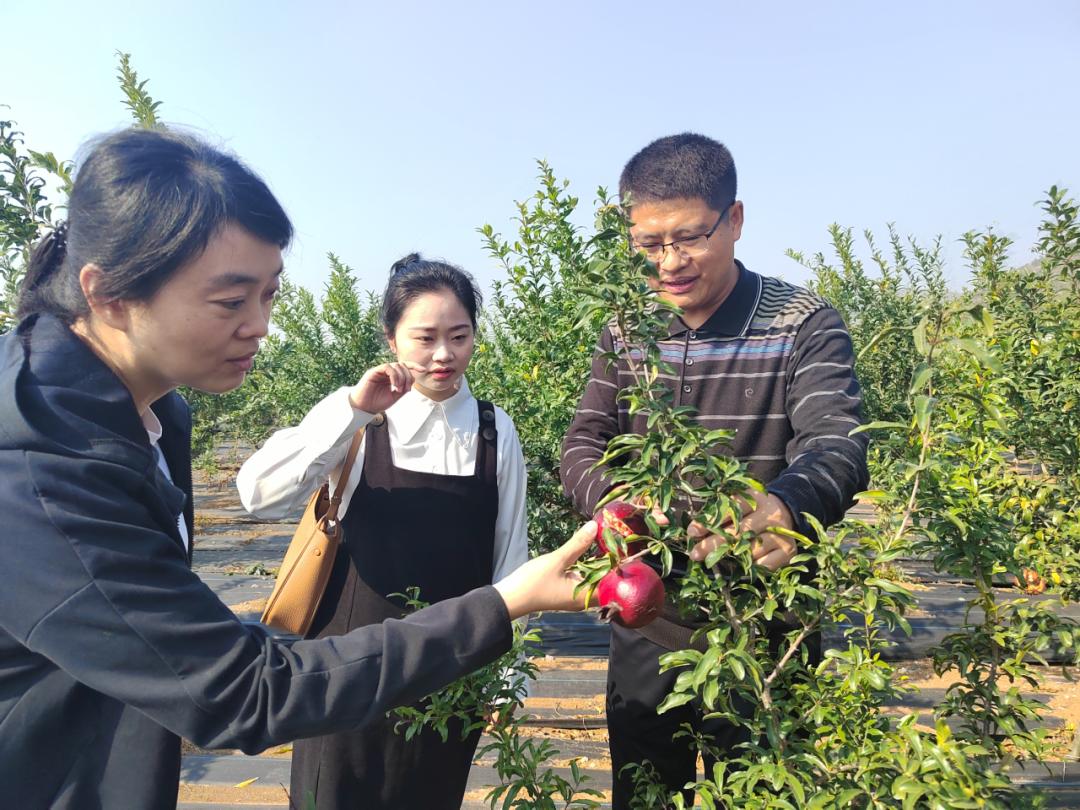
[775,364]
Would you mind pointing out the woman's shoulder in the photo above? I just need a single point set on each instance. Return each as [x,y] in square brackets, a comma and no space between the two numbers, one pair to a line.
[56,396]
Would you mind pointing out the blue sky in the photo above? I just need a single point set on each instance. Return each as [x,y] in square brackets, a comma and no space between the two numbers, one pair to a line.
[396,127]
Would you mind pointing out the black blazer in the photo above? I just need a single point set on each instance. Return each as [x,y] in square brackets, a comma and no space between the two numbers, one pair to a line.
[110,647]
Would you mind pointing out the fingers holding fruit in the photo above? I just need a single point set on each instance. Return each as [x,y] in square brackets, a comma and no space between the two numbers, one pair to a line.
[546,582]
[647,504]
[771,549]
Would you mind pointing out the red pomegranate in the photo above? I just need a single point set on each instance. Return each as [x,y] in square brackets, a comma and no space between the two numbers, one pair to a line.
[624,519]
[630,594]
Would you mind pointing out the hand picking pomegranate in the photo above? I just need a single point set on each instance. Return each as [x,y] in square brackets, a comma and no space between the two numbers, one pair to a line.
[624,519]
[630,594]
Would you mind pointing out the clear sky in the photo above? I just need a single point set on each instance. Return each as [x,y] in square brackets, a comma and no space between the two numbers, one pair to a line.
[392,127]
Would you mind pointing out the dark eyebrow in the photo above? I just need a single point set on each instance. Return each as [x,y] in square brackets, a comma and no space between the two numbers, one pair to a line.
[237,280]
[678,233]
[692,231]
[433,328]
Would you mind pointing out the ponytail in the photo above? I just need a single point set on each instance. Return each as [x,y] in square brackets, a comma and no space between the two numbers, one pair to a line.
[406,263]
[45,260]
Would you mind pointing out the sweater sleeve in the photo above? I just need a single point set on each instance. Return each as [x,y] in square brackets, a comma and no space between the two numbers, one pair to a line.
[104,593]
[826,466]
[595,423]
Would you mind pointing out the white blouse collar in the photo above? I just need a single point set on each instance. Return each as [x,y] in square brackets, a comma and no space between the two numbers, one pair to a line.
[152,425]
[411,412]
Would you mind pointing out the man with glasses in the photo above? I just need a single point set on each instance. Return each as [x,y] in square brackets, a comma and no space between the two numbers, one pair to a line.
[752,354]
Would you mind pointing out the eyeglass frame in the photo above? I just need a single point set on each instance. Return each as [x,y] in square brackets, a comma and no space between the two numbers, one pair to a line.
[675,243]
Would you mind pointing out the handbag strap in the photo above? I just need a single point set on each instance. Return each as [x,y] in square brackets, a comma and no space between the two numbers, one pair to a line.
[343,476]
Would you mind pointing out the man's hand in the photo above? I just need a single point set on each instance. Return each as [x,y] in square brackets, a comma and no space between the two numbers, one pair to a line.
[761,511]
[645,503]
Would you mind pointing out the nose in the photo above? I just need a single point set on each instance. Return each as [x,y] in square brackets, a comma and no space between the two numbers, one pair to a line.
[442,352]
[257,324]
[672,260]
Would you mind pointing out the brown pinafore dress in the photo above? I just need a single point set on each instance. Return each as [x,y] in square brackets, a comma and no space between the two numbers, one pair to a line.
[402,529]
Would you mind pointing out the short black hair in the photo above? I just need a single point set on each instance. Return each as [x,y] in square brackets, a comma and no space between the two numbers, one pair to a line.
[687,166]
[144,204]
[411,276]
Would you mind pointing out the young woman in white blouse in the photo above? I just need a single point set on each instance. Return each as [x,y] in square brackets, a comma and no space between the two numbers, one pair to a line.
[435,499]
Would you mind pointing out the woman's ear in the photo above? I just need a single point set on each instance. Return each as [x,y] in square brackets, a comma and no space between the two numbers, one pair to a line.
[391,343]
[111,311]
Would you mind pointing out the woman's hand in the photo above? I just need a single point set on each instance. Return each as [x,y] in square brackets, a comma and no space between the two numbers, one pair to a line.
[544,583]
[382,386]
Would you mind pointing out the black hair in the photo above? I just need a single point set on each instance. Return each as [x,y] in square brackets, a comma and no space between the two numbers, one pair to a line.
[412,276]
[143,205]
[687,165]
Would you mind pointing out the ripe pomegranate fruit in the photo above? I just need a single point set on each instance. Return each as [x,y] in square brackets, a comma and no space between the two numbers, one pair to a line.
[624,519]
[630,594]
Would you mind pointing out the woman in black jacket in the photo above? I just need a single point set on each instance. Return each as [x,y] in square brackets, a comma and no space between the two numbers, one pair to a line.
[110,647]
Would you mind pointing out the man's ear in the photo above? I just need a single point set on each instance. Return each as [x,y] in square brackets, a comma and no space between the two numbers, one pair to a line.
[736,218]
[112,312]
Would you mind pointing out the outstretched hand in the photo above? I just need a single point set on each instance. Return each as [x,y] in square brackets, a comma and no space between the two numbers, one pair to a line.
[546,582]
[382,386]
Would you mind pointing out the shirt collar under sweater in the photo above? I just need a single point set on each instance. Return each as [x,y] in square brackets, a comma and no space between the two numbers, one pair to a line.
[414,410]
[732,317]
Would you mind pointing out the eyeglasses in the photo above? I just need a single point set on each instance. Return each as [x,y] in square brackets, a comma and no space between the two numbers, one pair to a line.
[689,246]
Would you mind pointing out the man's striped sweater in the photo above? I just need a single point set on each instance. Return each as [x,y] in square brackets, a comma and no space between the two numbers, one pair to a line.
[773,363]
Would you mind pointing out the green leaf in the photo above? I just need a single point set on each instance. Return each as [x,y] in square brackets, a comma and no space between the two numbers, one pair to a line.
[737,667]
[980,353]
[873,342]
[878,425]
[871,495]
[919,379]
[919,336]
[769,608]
[923,407]
[674,700]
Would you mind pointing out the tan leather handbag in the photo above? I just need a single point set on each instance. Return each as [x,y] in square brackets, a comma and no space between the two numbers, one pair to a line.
[302,577]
